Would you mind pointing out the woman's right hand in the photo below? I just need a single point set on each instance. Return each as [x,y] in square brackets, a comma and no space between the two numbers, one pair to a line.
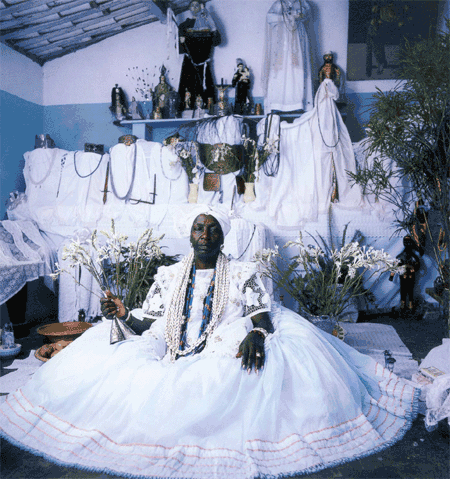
[111,306]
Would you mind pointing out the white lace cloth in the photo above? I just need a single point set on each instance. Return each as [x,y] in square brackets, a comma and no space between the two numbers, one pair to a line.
[24,256]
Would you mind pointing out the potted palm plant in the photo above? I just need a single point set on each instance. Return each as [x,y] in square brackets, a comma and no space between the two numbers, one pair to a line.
[410,127]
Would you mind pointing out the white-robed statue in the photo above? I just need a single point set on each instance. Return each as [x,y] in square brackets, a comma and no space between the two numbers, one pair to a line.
[177,397]
[286,74]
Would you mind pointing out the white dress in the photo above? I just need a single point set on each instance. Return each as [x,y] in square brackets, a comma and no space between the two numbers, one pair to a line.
[120,409]
[286,75]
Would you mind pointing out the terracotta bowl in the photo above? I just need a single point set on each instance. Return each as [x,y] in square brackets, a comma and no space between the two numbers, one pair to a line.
[68,331]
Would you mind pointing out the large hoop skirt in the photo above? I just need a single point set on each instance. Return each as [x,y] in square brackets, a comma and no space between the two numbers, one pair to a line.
[118,409]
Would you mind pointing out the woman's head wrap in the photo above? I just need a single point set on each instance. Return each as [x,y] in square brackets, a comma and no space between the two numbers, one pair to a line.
[185,219]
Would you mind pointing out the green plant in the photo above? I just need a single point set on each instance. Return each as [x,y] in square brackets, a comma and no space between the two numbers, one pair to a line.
[409,137]
[125,268]
[323,278]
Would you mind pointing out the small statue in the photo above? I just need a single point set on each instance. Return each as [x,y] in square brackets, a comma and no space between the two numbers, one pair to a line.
[330,70]
[157,115]
[241,81]
[199,113]
[119,106]
[411,261]
[199,103]
[135,110]
[161,93]
[187,100]
[222,104]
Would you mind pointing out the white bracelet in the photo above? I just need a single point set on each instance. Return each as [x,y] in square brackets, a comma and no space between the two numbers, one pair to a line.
[260,330]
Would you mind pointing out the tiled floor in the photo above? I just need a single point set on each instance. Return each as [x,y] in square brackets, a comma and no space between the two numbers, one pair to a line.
[419,455]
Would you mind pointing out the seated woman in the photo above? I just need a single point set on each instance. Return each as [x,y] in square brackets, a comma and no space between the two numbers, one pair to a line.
[174,400]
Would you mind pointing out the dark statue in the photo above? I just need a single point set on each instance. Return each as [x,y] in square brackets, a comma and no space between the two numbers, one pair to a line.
[197,38]
[411,261]
[330,70]
[241,82]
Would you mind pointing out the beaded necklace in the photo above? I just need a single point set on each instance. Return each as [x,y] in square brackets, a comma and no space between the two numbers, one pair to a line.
[162,167]
[320,128]
[89,174]
[126,197]
[206,316]
[47,174]
[175,314]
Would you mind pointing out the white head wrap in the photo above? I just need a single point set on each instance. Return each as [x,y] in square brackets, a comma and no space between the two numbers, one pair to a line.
[184,219]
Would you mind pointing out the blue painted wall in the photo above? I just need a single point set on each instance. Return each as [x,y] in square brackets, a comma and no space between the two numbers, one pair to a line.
[20,122]
[71,126]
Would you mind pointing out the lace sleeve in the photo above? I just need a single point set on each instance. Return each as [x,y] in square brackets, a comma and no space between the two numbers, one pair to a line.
[153,306]
[256,299]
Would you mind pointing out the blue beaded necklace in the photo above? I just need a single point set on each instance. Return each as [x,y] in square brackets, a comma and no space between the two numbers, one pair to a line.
[207,309]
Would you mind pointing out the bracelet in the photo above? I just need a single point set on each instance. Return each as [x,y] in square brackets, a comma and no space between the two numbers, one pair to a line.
[261,331]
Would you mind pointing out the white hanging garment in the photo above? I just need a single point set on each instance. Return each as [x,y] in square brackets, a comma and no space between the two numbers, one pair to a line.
[286,74]
[315,154]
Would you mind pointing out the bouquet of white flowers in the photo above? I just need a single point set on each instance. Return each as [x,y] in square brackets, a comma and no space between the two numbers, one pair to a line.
[124,268]
[325,280]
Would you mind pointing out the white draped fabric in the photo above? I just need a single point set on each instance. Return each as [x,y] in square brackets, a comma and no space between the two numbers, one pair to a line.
[286,74]
[120,409]
[315,154]
[67,188]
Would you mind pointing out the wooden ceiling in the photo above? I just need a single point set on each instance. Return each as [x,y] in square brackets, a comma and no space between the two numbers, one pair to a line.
[46,29]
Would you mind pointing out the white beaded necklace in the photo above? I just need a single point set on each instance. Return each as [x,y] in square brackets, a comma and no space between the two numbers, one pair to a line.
[47,174]
[133,175]
[175,311]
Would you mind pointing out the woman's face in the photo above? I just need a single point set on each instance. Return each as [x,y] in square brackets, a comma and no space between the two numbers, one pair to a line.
[206,236]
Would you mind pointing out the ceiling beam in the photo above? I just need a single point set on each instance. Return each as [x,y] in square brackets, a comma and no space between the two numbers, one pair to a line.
[74,17]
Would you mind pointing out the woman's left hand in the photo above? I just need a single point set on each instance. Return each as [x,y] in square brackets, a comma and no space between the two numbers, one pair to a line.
[251,350]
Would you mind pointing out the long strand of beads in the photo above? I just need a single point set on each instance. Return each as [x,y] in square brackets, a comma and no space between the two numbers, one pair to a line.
[174,315]
[89,174]
[133,175]
[47,174]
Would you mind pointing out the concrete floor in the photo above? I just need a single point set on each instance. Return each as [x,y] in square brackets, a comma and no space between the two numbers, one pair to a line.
[419,455]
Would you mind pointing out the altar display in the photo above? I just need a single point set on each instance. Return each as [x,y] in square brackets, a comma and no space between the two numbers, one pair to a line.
[220,151]
[286,72]
[315,154]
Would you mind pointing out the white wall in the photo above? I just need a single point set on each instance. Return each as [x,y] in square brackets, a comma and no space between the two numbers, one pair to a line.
[20,76]
[88,75]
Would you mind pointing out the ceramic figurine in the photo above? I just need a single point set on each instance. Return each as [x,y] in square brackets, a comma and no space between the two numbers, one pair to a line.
[135,110]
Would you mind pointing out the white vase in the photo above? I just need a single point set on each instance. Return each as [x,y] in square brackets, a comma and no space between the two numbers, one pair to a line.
[193,193]
[249,193]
